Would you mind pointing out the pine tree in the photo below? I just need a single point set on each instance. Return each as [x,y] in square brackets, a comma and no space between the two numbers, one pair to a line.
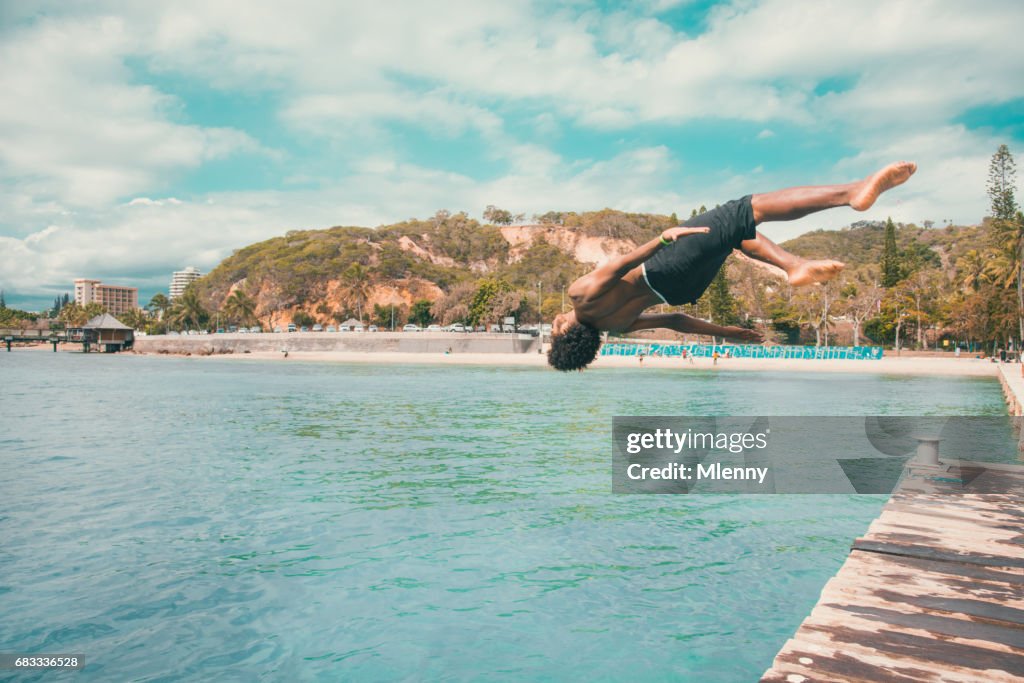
[721,303]
[1008,224]
[1002,177]
[3,302]
[892,269]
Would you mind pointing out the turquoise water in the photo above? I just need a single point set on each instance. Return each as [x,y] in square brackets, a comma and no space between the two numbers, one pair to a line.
[201,519]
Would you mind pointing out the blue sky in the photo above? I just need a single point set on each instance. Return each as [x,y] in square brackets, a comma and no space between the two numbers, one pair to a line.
[138,138]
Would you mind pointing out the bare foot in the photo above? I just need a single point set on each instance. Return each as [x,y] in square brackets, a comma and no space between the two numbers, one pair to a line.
[811,272]
[886,179]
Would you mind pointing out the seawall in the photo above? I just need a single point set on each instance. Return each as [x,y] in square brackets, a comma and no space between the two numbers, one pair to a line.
[1013,387]
[366,342]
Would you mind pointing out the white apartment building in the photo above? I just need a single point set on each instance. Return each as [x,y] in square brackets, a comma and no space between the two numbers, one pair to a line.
[181,279]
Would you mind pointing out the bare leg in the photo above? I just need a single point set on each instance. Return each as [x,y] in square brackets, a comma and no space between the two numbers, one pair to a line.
[797,202]
[799,271]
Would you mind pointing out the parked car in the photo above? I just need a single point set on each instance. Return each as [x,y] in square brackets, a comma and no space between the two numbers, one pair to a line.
[456,327]
[411,328]
[357,328]
[332,328]
[433,328]
[291,327]
[318,328]
[277,328]
[303,329]
[371,328]
[255,329]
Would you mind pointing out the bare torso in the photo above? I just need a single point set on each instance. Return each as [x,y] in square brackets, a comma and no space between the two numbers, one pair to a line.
[616,308]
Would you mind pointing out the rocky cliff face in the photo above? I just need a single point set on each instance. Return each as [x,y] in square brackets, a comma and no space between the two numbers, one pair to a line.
[307,271]
[584,248]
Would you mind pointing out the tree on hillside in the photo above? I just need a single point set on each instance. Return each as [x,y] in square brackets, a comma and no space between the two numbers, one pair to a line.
[722,305]
[134,318]
[159,305]
[758,293]
[453,307]
[355,287]
[1002,180]
[389,316]
[861,298]
[922,290]
[493,214]
[892,268]
[1007,228]
[493,300]
[814,305]
[240,308]
[550,218]
[971,267]
[3,302]
[420,313]
[188,310]
[73,315]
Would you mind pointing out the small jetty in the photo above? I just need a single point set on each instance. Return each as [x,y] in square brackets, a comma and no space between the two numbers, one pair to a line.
[103,332]
[933,592]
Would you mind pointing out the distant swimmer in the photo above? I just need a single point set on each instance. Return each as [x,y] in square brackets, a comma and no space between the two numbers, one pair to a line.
[676,267]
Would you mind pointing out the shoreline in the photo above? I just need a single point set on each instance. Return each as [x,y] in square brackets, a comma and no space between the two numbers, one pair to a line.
[887,365]
[963,367]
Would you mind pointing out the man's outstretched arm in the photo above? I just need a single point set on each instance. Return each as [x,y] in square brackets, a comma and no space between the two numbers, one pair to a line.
[610,273]
[680,322]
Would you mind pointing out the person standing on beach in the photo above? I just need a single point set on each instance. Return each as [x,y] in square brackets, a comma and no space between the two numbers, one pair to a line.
[676,267]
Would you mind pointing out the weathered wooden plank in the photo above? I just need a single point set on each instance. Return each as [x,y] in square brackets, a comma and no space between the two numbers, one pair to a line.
[830,632]
[934,591]
[986,509]
[940,513]
[924,552]
[873,574]
[898,619]
[843,653]
[966,573]
[945,529]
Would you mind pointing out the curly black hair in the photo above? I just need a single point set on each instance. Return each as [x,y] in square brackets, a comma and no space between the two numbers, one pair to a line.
[575,348]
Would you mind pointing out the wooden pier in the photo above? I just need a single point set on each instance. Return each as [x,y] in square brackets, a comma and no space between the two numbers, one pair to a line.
[104,332]
[933,592]
[33,336]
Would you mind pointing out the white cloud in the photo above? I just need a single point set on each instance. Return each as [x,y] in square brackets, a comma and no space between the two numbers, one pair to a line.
[79,132]
[153,235]
[75,129]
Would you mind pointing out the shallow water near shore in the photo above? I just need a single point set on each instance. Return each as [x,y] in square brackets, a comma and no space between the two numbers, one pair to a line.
[203,519]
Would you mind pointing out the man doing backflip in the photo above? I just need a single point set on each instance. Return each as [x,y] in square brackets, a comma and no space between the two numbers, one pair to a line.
[676,267]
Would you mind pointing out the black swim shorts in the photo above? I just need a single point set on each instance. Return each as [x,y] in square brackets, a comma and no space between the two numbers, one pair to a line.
[680,272]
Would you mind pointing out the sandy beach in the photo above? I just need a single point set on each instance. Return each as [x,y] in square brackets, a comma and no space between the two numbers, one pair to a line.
[964,367]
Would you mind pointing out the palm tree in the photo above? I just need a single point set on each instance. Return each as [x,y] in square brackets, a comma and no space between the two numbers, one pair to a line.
[240,308]
[133,318]
[73,315]
[188,310]
[158,306]
[971,267]
[356,287]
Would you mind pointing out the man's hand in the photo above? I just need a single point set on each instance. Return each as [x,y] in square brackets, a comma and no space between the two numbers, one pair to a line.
[744,335]
[672,234]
